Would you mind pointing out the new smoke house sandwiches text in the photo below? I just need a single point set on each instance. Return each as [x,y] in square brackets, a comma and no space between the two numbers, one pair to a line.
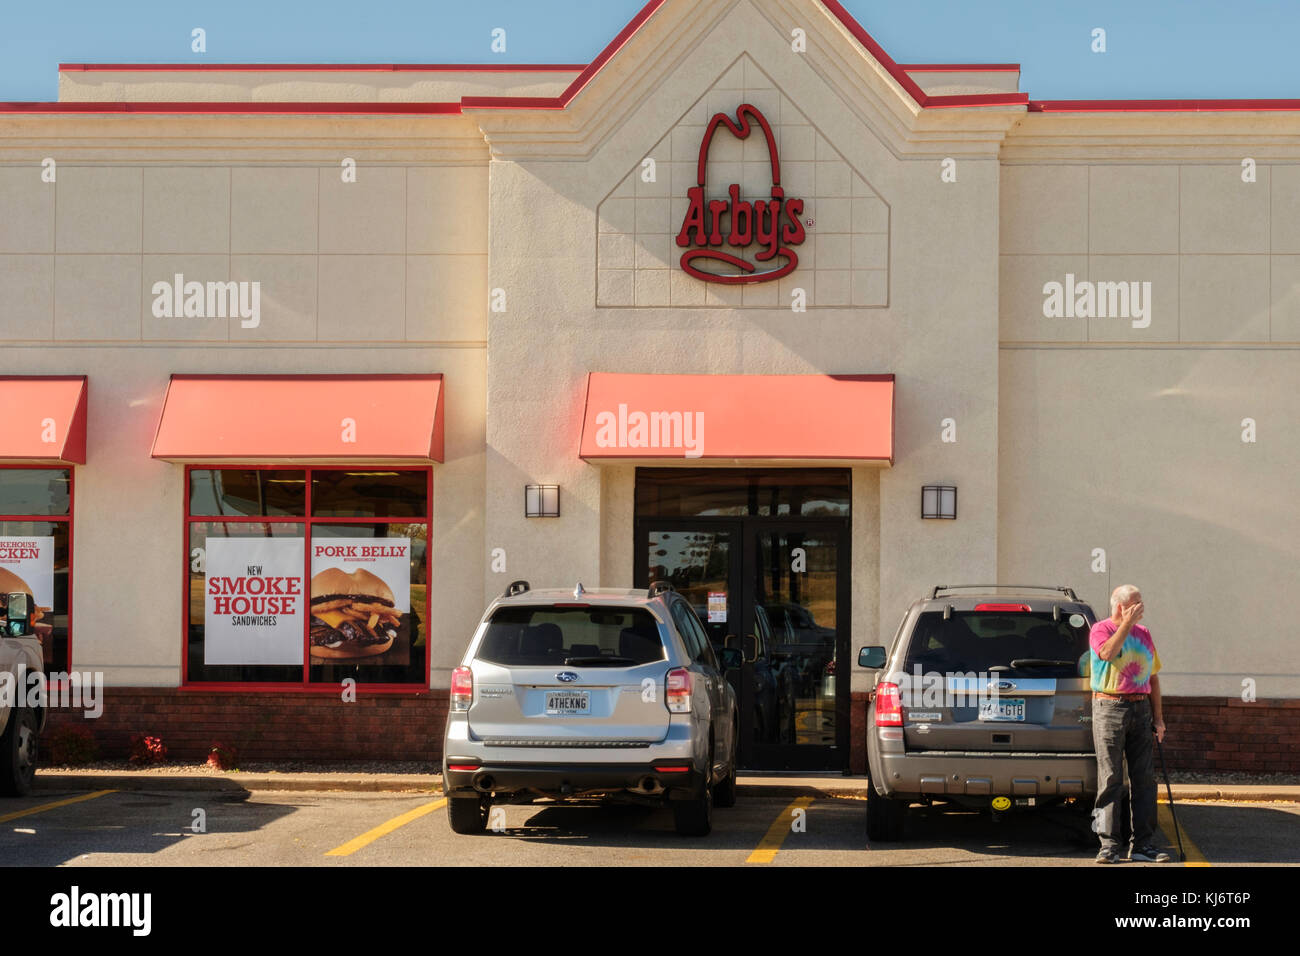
[253,594]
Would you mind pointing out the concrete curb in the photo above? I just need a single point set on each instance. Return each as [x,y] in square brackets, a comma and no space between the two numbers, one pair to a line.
[787,787]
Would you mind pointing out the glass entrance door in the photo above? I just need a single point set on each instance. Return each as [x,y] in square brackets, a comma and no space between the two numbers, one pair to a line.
[796,584]
[778,591]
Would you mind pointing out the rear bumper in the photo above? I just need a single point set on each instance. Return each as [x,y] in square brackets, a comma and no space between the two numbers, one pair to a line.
[985,775]
[563,779]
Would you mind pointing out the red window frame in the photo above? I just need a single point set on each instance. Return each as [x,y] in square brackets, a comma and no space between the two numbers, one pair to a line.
[68,518]
[306,685]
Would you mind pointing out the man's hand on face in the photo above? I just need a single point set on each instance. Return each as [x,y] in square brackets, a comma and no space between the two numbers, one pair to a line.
[1130,614]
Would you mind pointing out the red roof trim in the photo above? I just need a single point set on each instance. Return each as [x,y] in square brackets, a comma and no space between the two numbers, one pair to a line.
[976,99]
[579,82]
[960,67]
[246,108]
[1160,106]
[876,50]
[326,67]
[897,71]
[513,102]
[582,79]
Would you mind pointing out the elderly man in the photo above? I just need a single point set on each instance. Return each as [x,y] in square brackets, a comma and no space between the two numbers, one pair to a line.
[1126,711]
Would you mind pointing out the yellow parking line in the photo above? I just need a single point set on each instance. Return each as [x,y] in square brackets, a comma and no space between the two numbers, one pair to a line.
[51,806]
[777,832]
[370,836]
[1194,855]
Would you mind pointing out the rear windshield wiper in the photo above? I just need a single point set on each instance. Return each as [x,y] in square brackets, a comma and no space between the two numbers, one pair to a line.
[598,661]
[1040,662]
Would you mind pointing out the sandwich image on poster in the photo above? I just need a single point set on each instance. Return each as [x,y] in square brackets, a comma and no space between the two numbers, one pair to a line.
[361,601]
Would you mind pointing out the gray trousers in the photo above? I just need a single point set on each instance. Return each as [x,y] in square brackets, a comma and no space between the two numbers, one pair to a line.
[1121,729]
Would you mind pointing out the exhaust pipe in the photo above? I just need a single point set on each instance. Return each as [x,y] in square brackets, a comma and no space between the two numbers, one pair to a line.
[484,783]
[648,786]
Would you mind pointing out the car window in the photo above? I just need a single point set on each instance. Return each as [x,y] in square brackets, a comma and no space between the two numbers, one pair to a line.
[706,655]
[1029,644]
[682,618]
[545,635]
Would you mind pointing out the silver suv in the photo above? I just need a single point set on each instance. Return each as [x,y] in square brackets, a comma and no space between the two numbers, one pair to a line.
[576,695]
[983,700]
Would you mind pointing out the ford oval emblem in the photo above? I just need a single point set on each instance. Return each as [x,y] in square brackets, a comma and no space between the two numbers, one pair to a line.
[567,676]
[1006,685]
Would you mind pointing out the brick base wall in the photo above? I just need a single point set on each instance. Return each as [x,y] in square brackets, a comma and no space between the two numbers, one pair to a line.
[1214,733]
[1205,733]
[858,732]
[1202,733]
[267,726]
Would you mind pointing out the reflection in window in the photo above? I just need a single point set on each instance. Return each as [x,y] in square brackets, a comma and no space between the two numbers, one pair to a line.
[251,492]
[720,492]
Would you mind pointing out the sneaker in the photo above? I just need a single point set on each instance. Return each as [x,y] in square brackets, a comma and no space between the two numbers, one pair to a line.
[1148,854]
[1107,855]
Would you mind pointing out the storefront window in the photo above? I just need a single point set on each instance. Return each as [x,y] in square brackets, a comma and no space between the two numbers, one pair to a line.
[724,492]
[304,579]
[36,551]
[230,491]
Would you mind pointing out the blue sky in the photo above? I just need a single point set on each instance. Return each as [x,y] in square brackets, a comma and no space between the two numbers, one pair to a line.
[1155,48]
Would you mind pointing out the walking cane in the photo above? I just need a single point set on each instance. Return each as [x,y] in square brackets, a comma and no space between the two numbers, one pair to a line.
[1169,791]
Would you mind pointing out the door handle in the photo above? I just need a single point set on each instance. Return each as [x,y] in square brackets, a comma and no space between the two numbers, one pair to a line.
[750,649]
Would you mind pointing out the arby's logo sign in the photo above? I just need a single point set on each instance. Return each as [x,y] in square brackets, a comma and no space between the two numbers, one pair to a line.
[770,224]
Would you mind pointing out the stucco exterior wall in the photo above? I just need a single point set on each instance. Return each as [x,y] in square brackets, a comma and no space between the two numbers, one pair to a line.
[484,246]
[936,332]
[1130,439]
[382,275]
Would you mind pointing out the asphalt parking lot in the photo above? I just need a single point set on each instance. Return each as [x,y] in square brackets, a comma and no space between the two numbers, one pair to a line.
[268,828]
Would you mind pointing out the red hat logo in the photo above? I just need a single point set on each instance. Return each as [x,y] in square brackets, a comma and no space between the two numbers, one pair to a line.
[771,223]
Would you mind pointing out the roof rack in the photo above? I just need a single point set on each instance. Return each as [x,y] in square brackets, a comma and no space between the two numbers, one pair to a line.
[657,588]
[516,587]
[1069,592]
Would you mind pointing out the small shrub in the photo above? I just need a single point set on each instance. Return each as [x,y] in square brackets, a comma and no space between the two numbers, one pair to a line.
[147,750]
[222,757]
[72,747]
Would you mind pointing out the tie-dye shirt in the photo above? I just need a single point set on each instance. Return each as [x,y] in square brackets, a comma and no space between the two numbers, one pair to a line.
[1129,671]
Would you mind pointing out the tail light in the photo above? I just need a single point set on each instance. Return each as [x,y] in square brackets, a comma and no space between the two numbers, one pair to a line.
[889,707]
[1004,607]
[462,688]
[677,690]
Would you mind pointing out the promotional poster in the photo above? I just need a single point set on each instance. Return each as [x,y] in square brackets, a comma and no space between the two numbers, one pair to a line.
[253,601]
[30,563]
[361,600]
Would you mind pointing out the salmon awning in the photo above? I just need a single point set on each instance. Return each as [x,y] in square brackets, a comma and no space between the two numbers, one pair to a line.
[740,418]
[43,419]
[326,418]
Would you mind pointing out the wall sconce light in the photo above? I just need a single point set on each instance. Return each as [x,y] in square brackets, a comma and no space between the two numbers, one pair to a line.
[541,501]
[938,501]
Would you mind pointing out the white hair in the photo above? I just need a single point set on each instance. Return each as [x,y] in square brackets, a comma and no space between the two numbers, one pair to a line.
[1121,595]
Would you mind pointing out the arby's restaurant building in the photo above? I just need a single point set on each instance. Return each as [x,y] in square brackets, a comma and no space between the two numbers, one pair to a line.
[743,304]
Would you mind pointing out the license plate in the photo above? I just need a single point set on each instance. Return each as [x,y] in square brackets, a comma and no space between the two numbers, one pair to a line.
[1003,708]
[562,702]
